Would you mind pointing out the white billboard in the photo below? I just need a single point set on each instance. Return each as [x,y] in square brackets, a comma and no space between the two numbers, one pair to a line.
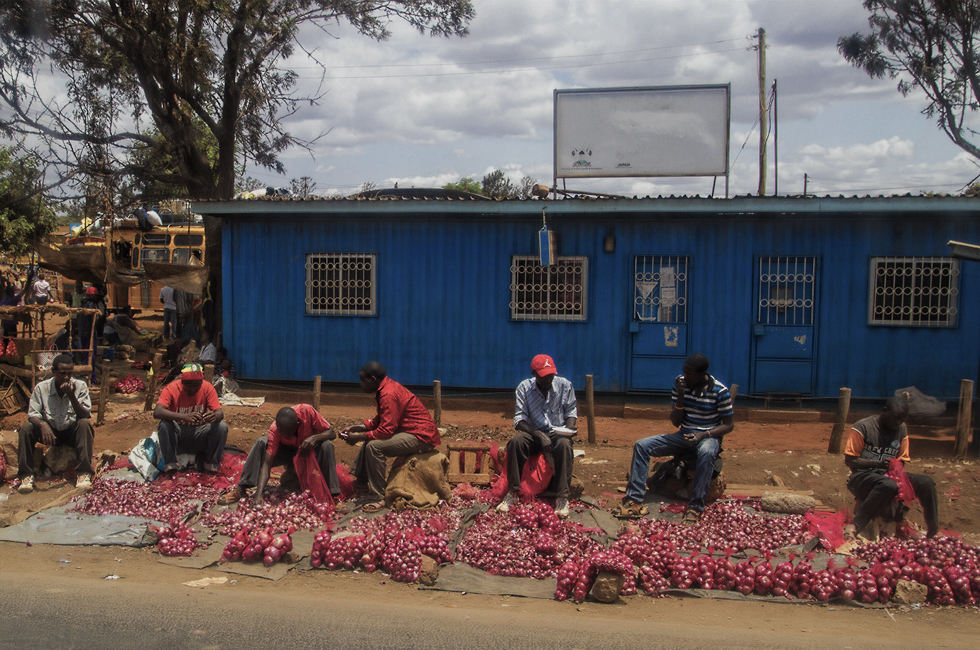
[652,131]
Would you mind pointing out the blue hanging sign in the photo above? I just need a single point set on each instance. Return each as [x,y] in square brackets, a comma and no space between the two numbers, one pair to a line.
[546,243]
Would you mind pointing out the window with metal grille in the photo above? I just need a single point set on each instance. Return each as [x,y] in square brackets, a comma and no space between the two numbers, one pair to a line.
[919,291]
[787,290]
[341,284]
[553,293]
[660,288]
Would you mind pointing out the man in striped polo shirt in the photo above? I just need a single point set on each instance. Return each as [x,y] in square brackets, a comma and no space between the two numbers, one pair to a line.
[703,414]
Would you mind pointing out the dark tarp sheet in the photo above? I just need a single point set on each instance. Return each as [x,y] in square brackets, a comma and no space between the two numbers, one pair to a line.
[462,577]
[58,526]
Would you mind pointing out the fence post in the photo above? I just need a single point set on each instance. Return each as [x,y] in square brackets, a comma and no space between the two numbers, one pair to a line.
[103,392]
[837,434]
[152,388]
[316,392]
[437,394]
[964,418]
[590,407]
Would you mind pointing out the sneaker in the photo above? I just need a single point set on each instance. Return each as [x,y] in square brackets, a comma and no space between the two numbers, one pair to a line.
[561,508]
[509,501]
[26,485]
[84,482]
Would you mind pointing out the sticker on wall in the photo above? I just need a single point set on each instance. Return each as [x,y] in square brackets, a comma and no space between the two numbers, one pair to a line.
[670,336]
[801,339]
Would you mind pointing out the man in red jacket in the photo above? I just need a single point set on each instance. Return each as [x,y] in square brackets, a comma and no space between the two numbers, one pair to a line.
[402,427]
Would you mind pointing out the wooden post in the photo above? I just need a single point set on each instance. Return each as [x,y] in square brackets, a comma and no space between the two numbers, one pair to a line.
[590,407]
[437,394]
[103,392]
[208,372]
[734,391]
[152,388]
[837,434]
[963,419]
[316,392]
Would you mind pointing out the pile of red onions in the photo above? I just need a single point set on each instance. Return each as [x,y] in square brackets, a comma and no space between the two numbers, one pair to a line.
[262,545]
[129,384]
[530,541]
[577,579]
[280,511]
[144,500]
[176,539]
[949,567]
[395,542]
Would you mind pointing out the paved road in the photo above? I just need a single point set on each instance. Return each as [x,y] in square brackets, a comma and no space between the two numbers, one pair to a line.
[43,605]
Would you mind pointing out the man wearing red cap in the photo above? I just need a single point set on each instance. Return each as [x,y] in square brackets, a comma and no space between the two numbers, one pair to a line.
[545,419]
[191,420]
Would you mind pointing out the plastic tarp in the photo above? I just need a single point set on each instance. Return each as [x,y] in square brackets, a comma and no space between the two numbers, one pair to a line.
[58,526]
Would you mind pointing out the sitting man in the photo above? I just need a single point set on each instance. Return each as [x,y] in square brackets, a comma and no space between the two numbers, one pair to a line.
[703,414]
[191,420]
[58,414]
[121,328]
[297,427]
[402,427]
[873,442]
[544,418]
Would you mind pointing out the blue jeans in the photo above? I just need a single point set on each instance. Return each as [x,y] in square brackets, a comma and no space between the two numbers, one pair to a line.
[673,444]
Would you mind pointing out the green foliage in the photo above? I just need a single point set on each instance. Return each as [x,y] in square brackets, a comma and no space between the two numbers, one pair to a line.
[25,217]
[202,81]
[931,45]
[465,185]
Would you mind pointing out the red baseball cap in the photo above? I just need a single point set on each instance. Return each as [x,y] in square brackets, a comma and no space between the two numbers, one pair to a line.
[543,365]
[91,291]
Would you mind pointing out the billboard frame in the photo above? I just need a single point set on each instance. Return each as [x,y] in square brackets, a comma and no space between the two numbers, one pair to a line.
[727,87]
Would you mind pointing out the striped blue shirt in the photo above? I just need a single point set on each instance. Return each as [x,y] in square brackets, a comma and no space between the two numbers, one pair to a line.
[545,412]
[705,410]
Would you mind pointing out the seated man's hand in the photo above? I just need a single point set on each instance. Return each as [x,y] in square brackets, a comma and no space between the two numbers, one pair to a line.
[694,437]
[354,438]
[207,417]
[545,441]
[47,435]
[308,442]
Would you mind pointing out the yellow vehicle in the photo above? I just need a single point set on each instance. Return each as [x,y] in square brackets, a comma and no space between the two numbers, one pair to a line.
[130,248]
[173,244]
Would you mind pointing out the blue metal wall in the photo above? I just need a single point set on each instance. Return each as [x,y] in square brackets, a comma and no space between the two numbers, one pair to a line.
[443,288]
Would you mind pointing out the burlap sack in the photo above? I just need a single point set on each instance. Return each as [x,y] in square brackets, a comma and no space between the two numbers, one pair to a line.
[418,482]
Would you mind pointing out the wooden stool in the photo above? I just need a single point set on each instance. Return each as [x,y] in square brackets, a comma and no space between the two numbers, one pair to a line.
[470,472]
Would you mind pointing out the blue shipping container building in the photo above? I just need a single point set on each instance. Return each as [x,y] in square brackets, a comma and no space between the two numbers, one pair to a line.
[784,295]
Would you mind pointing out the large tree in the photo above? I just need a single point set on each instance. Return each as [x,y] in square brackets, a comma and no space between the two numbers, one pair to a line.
[25,216]
[200,73]
[927,44]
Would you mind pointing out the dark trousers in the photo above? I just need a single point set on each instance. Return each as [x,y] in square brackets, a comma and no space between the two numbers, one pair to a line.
[207,440]
[371,463]
[79,435]
[325,458]
[875,490]
[523,445]
[170,329]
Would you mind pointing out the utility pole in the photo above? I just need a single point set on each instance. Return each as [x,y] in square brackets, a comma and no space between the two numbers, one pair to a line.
[763,121]
[775,140]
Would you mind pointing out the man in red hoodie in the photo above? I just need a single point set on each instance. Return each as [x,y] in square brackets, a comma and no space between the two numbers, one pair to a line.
[402,427]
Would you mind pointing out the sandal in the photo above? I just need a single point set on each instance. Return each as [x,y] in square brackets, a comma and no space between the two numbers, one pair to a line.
[376,506]
[630,510]
[691,518]
[231,497]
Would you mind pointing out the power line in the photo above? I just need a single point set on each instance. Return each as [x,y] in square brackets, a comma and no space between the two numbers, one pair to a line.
[534,58]
[531,69]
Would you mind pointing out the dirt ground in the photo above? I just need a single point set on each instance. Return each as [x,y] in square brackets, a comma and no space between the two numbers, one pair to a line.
[754,453]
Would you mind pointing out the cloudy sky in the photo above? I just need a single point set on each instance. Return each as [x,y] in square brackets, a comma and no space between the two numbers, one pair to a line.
[424,111]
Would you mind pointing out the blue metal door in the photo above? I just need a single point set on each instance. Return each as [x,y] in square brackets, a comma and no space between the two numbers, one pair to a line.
[784,340]
[659,324]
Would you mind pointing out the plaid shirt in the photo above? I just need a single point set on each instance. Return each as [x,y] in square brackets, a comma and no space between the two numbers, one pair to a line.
[54,409]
